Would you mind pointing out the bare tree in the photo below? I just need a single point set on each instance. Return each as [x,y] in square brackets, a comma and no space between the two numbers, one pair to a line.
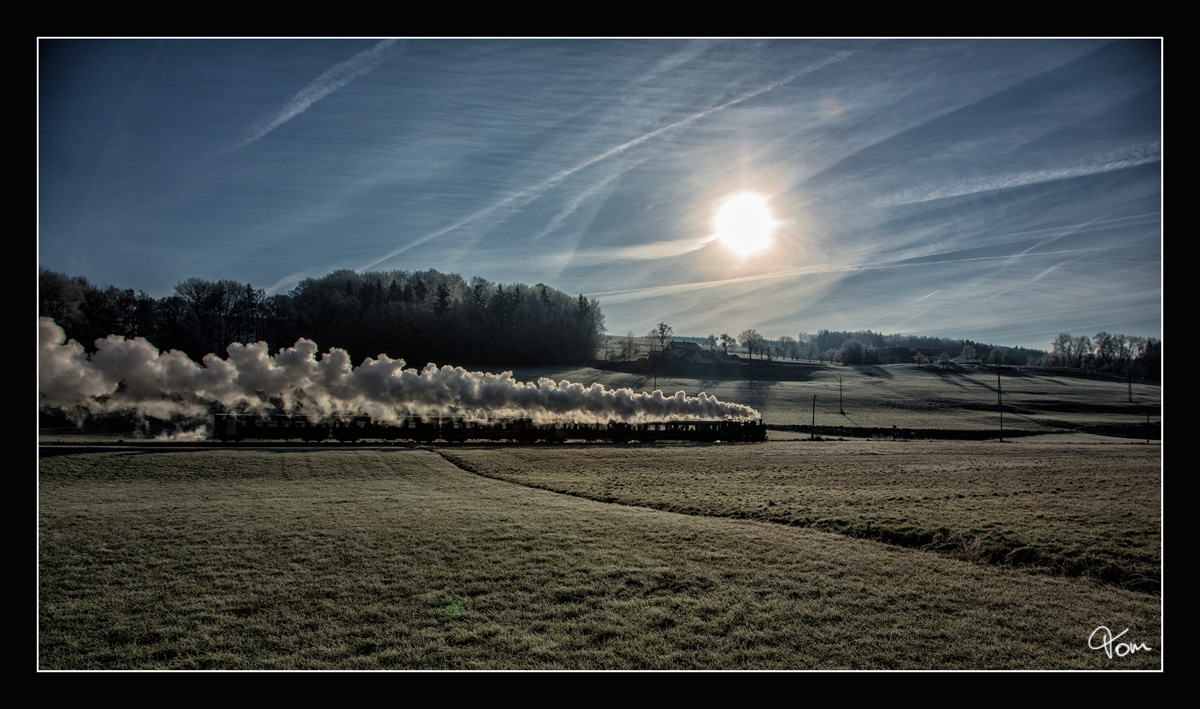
[1063,349]
[1132,347]
[788,347]
[812,350]
[750,340]
[1105,349]
[1083,350]
[662,334]
[629,347]
[851,352]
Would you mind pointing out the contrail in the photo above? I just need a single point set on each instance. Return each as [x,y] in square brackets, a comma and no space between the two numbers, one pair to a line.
[893,312]
[320,87]
[526,195]
[633,294]
[134,376]
[1116,160]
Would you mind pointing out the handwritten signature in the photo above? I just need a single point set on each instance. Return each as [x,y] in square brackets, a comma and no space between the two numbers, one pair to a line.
[1109,645]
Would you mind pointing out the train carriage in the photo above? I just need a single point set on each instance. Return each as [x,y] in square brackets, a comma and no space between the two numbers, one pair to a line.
[239,427]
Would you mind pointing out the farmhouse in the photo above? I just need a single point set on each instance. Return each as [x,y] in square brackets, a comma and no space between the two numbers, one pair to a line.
[683,353]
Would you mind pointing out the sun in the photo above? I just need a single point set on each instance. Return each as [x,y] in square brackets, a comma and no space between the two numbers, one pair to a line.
[744,223]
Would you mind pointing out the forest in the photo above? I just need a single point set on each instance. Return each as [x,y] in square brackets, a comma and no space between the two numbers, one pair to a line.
[428,316]
[420,316]
[1112,353]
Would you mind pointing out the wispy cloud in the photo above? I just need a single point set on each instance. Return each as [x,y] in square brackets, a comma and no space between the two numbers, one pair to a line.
[530,193]
[589,193]
[650,251]
[1118,160]
[634,294]
[331,80]
[893,312]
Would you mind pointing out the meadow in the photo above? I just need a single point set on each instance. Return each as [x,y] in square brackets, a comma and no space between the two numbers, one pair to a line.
[1079,510]
[903,395]
[791,554]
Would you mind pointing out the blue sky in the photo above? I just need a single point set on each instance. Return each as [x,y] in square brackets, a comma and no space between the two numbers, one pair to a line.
[997,190]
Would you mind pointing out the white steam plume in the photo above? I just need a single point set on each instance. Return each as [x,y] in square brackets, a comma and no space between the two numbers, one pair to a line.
[132,375]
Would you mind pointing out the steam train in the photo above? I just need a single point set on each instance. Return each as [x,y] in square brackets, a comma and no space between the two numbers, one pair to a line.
[239,427]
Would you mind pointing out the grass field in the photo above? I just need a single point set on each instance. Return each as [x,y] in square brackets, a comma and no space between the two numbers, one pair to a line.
[843,553]
[392,558]
[1047,507]
[904,395]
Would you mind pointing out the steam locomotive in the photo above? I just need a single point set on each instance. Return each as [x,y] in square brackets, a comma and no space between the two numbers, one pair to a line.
[239,427]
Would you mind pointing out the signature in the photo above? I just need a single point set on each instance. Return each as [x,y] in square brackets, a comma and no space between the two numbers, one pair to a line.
[1109,644]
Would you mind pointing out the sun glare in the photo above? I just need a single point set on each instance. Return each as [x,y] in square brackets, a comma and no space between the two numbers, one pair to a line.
[744,223]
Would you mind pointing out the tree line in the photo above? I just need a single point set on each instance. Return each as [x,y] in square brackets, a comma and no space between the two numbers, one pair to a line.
[860,346]
[1130,355]
[1103,352]
[420,316]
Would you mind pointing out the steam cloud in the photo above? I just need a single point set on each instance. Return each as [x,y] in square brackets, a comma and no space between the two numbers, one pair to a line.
[126,375]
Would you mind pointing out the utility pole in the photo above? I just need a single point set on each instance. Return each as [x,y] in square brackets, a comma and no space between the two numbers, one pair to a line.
[654,364]
[1000,403]
[813,433]
[840,409]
